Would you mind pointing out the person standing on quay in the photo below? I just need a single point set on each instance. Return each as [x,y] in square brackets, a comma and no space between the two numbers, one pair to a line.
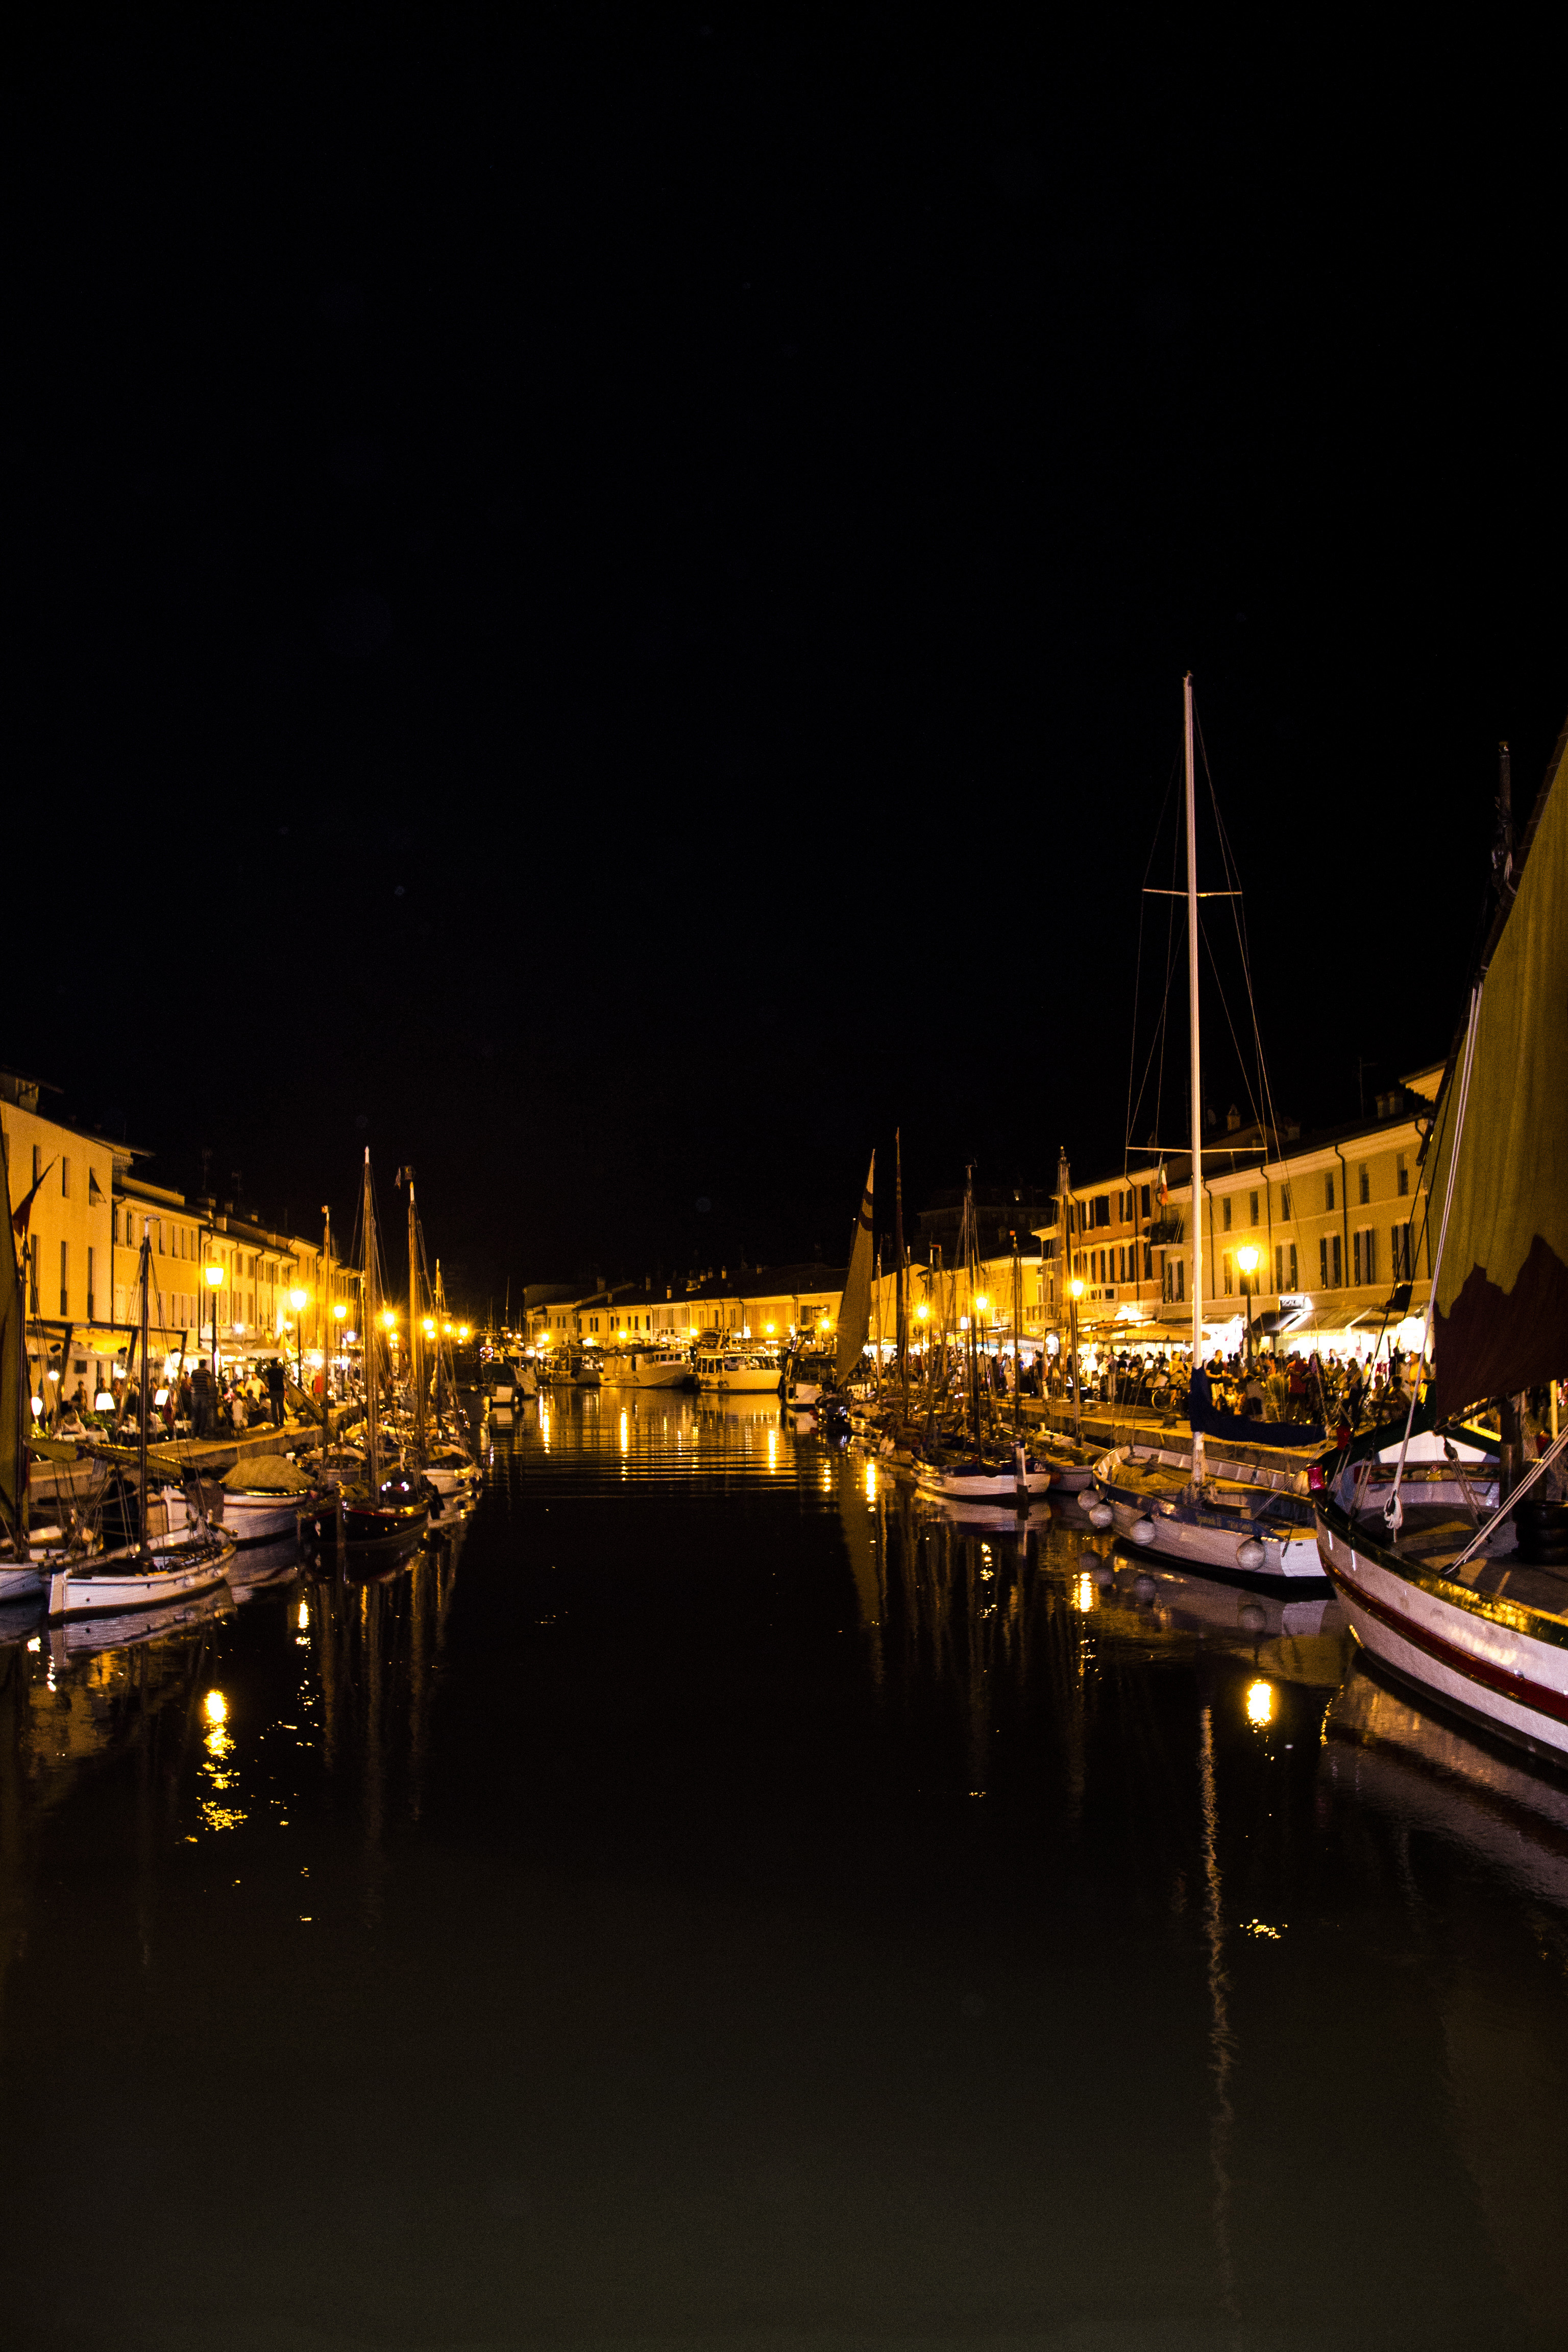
[275,1378]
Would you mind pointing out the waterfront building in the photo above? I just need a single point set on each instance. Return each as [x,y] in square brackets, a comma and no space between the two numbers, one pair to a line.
[1338,1223]
[68,1243]
[770,1304]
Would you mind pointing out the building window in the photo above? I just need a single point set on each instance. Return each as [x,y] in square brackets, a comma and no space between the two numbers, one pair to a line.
[37,1161]
[90,1268]
[65,1179]
[1401,1175]
[1225,1263]
[1252,1200]
[1328,1191]
[1146,1197]
[1364,1256]
[1284,1200]
[1148,1262]
[1399,1250]
[1278,1265]
[1225,1213]
[65,1278]
[1363,1182]
[1294,1284]
[1323,1262]
[1181,1277]
[33,1271]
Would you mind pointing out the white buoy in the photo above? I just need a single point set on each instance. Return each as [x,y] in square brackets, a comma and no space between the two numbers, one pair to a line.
[1142,1531]
[1105,1574]
[1250,1554]
[1101,1514]
[1252,1618]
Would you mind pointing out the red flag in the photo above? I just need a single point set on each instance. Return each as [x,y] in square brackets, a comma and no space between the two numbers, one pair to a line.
[22,1213]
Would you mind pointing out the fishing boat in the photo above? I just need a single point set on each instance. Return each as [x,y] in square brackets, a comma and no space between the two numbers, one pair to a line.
[1454,1573]
[258,1498]
[974,1464]
[1247,1512]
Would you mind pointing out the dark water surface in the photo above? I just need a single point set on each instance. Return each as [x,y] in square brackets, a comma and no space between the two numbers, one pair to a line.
[713,1902]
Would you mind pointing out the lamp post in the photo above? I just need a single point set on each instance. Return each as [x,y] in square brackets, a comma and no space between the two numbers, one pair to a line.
[1075,1290]
[214,1273]
[1247,1259]
[298,1299]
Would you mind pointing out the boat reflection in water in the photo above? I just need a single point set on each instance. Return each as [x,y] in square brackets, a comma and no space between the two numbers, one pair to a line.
[1420,1768]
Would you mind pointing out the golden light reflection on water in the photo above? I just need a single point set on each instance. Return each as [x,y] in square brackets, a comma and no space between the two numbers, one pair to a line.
[1086,1593]
[1261,1704]
[217,1809]
[871,1482]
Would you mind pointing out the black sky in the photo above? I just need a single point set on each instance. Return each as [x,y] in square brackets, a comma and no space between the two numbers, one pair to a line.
[601,595]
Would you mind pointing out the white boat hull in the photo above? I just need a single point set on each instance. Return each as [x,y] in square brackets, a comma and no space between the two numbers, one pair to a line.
[105,1586]
[249,1518]
[748,1380]
[1489,1659]
[658,1373]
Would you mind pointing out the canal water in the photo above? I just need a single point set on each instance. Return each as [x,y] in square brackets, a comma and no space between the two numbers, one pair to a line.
[711,1900]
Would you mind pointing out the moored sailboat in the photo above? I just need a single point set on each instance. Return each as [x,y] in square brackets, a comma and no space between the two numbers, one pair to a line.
[1246,1510]
[1474,1609]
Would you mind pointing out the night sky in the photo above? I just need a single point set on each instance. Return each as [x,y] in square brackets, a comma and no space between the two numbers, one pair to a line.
[600,596]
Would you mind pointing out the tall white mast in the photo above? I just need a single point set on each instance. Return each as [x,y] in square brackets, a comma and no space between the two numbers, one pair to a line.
[1196,1070]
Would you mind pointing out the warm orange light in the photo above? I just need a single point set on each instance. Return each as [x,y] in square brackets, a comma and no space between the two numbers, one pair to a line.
[389,1321]
[213,1274]
[298,1299]
[429,1328]
[981,1301]
[1076,1288]
[339,1311]
[1247,1259]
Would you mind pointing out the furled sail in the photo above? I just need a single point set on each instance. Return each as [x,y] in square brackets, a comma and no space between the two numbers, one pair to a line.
[855,1306]
[13,1357]
[1501,1320]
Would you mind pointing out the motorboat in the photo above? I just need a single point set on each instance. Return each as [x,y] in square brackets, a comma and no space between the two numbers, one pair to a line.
[651,1368]
[731,1371]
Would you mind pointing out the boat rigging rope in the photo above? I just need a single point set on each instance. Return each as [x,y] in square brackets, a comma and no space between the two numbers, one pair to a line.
[1537,1469]
[1393,1511]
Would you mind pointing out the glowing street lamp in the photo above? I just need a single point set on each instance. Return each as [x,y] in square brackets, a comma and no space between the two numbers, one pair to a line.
[214,1273]
[298,1299]
[1247,1259]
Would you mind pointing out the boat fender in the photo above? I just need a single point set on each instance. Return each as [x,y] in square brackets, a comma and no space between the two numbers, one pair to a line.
[1251,1617]
[1090,1562]
[1145,1587]
[1250,1554]
[1142,1531]
[1101,1514]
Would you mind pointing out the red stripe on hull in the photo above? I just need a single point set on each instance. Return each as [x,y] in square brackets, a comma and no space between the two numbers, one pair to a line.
[1538,1697]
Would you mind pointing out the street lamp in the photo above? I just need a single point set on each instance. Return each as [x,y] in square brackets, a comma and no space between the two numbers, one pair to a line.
[1075,1291]
[298,1299]
[1247,1259]
[214,1273]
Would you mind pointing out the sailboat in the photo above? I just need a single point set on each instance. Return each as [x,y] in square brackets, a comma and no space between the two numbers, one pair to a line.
[814,1384]
[450,1468]
[157,1568]
[968,1467]
[390,1504]
[1248,1509]
[1473,1608]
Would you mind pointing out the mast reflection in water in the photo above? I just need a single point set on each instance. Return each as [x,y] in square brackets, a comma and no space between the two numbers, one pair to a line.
[718,1898]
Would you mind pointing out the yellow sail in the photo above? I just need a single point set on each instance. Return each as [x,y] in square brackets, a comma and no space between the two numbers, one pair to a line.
[1501,1317]
[12,1359]
[855,1306]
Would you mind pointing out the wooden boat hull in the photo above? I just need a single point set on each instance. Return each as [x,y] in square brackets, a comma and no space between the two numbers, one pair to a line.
[103,1587]
[1206,1536]
[1491,1660]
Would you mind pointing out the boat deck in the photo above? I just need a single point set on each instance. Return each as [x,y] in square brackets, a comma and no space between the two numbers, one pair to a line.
[1435,1534]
